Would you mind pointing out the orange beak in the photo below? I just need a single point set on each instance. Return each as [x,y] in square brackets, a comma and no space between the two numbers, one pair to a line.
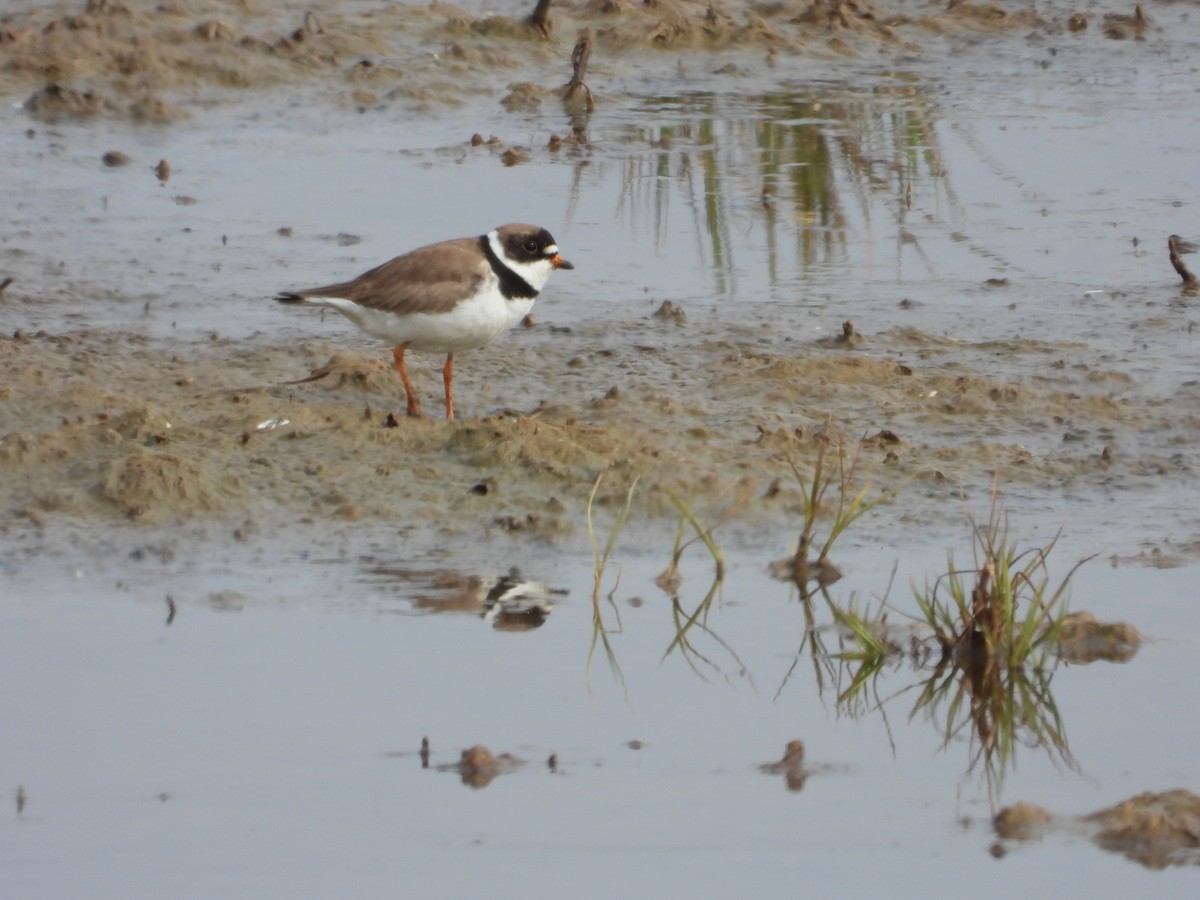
[559,263]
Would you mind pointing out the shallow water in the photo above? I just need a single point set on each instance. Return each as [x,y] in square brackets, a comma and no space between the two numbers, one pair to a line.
[266,740]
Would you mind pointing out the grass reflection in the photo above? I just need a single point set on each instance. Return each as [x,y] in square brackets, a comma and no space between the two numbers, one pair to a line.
[602,629]
[992,630]
[790,162]
[688,620]
[996,708]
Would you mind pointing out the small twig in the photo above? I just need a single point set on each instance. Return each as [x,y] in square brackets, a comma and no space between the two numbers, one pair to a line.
[541,18]
[5,283]
[579,58]
[1176,246]
[579,62]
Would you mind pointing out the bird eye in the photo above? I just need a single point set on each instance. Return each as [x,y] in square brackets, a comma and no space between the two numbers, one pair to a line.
[530,247]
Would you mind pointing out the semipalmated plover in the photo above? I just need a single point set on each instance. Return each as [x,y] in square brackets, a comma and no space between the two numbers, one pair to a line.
[447,297]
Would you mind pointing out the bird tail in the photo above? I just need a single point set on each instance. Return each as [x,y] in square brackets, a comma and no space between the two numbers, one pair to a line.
[288,297]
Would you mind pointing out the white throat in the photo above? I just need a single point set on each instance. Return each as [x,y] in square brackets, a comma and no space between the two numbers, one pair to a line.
[535,273]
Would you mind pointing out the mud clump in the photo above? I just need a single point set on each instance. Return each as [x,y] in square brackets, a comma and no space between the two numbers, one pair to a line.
[54,103]
[479,767]
[1155,829]
[153,62]
[1021,821]
[136,53]
[790,766]
[524,97]
[1083,640]
[154,486]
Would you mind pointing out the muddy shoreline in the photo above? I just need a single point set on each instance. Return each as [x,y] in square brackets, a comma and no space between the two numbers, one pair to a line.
[109,425]
[242,589]
[106,426]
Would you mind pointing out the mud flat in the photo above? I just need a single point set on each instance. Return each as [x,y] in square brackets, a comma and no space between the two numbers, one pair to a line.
[107,426]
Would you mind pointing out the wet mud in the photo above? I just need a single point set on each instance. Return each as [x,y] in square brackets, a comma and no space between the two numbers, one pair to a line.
[154,62]
[101,425]
[111,425]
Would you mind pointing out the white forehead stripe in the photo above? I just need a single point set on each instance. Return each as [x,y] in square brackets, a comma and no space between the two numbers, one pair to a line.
[494,243]
[551,249]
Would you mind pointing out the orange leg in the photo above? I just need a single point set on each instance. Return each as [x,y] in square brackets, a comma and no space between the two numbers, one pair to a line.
[448,381]
[414,405]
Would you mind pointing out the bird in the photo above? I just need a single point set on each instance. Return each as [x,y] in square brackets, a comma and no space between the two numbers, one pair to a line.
[447,297]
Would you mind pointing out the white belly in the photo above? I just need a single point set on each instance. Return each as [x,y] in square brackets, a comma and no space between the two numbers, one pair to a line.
[472,323]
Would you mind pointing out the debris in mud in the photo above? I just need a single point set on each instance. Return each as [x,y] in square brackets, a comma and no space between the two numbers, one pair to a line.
[1084,640]
[54,102]
[227,601]
[1176,247]
[884,438]
[478,766]
[849,335]
[669,312]
[514,156]
[523,96]
[154,110]
[1156,830]
[791,766]
[115,159]
[848,338]
[669,581]
[163,171]
[541,18]
[272,424]
[354,372]
[1120,26]
[576,95]
[1021,822]
[802,572]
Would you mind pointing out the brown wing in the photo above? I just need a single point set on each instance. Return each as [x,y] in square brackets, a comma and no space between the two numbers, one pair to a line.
[430,279]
